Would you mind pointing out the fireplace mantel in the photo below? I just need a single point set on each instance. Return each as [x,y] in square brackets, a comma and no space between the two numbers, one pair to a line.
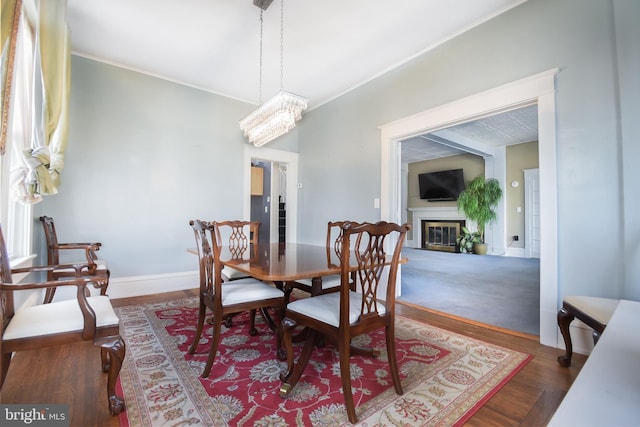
[434,213]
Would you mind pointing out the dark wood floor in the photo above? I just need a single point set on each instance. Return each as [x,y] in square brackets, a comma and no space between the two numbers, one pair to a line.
[71,375]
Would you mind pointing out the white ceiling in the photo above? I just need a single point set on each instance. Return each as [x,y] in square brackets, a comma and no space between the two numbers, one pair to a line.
[502,129]
[330,47]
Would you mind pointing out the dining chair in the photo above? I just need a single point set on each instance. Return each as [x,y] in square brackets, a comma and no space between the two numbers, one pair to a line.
[330,283]
[86,251]
[83,318]
[341,316]
[247,294]
[248,232]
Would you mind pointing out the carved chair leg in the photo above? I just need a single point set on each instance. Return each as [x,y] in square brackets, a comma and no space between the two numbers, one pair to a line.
[196,339]
[115,348]
[345,374]
[4,367]
[214,344]
[294,372]
[564,320]
[252,322]
[391,356]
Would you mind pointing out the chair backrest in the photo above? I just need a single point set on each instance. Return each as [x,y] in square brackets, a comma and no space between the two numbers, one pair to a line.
[236,235]
[205,254]
[373,266]
[6,296]
[52,240]
[335,234]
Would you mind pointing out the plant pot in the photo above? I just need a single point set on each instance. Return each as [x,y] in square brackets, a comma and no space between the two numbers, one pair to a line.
[480,248]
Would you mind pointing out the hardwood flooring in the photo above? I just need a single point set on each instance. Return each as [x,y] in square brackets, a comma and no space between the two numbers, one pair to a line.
[71,374]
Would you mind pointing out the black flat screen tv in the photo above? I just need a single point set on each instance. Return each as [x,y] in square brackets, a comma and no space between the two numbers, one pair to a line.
[441,186]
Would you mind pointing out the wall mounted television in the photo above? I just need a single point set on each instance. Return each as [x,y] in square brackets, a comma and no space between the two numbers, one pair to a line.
[441,186]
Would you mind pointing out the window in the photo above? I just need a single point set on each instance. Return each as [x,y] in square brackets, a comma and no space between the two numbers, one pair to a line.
[16,217]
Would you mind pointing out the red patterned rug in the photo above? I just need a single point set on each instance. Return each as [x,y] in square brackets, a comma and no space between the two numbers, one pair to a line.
[446,377]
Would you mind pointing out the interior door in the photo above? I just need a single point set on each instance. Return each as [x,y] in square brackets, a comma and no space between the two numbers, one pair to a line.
[532,213]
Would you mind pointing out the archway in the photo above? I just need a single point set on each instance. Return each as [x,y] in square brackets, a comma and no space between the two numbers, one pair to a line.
[539,89]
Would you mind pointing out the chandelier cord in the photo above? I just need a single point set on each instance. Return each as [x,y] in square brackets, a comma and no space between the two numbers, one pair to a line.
[281,44]
[260,78]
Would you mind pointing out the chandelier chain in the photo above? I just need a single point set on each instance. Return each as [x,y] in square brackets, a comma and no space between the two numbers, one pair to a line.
[281,44]
[260,76]
[279,114]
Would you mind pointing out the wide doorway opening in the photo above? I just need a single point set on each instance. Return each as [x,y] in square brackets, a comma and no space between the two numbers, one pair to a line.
[538,89]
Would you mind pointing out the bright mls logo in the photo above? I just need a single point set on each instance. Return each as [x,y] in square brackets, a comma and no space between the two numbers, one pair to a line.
[34,415]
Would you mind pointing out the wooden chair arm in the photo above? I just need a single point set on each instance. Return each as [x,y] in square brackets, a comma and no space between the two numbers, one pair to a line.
[88,315]
[89,251]
[39,268]
[93,246]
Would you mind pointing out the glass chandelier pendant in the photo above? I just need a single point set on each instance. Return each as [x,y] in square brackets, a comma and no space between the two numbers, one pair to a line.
[274,118]
[279,114]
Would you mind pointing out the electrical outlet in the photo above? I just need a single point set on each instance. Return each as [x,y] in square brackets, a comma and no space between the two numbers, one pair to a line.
[516,238]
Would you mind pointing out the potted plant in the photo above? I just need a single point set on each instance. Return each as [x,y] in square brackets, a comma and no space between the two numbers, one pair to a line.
[467,239]
[478,202]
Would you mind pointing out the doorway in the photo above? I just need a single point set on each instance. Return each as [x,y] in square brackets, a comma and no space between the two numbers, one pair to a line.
[538,89]
[282,162]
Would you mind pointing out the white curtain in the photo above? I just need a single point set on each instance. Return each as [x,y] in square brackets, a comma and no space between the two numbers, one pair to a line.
[38,127]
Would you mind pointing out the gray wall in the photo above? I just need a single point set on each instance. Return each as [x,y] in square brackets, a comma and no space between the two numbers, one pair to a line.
[147,155]
[597,229]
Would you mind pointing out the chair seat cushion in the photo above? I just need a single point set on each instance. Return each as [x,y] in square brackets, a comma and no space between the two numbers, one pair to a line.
[247,290]
[326,307]
[232,274]
[600,309]
[58,317]
[328,282]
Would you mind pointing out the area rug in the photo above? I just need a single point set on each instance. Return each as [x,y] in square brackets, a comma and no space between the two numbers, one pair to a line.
[446,377]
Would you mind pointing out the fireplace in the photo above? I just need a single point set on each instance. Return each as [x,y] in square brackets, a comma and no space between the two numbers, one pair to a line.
[441,235]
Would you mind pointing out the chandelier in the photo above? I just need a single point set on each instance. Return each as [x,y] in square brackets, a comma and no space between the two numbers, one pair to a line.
[279,114]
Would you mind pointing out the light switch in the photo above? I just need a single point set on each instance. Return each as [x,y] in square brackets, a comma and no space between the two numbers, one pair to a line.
[518,209]
[376,203]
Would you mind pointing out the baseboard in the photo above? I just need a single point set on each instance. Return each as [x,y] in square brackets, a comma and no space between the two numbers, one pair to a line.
[412,243]
[124,287]
[515,252]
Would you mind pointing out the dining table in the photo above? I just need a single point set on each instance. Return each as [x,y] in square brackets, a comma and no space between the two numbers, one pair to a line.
[284,262]
[287,262]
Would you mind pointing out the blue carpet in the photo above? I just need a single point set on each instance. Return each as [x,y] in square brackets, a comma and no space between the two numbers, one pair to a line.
[497,290]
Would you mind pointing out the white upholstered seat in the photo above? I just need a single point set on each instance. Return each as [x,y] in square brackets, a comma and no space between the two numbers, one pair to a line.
[326,308]
[55,318]
[601,309]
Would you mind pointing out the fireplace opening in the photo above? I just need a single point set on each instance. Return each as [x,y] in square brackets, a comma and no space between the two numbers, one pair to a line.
[438,235]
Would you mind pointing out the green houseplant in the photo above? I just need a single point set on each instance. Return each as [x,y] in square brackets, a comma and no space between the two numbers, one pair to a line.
[467,239]
[478,202]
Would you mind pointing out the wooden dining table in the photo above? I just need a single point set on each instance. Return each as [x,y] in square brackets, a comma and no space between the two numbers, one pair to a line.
[285,262]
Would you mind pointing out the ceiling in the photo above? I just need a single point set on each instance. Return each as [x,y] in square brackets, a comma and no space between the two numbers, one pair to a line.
[330,46]
[479,136]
